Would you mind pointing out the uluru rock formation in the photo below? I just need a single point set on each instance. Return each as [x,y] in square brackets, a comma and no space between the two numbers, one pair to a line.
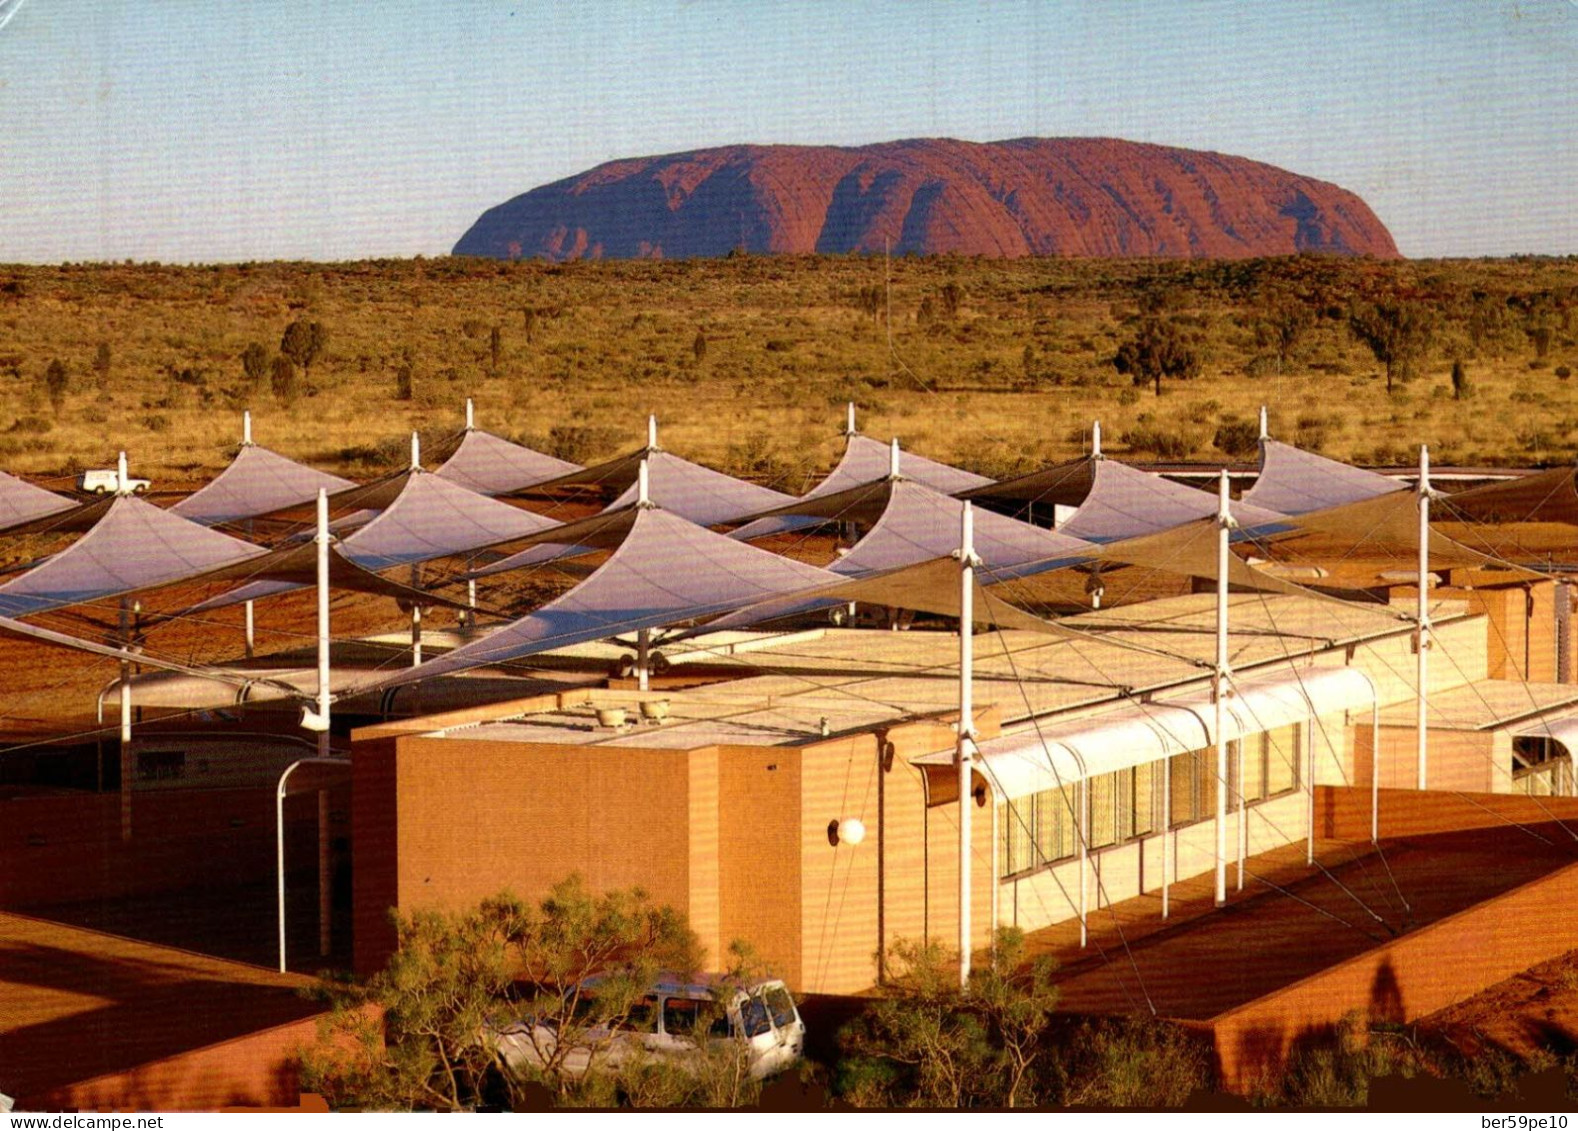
[1031,196]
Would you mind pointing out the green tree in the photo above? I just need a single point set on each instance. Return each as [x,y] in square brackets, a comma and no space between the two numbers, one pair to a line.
[1281,328]
[282,380]
[1396,333]
[930,1044]
[1158,349]
[495,348]
[102,360]
[255,364]
[302,342]
[57,380]
[952,298]
[429,1032]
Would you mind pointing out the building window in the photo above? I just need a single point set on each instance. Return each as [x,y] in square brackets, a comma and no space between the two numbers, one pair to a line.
[1038,830]
[1127,804]
[1122,805]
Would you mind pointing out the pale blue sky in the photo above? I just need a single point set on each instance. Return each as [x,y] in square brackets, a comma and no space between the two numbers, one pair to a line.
[199,130]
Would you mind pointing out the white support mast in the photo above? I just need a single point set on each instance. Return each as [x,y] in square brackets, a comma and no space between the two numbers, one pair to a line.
[1224,522]
[966,747]
[471,416]
[416,452]
[251,618]
[893,458]
[1423,612]
[1265,432]
[320,721]
[125,688]
[1375,770]
[1095,439]
[643,636]
[849,423]
[652,433]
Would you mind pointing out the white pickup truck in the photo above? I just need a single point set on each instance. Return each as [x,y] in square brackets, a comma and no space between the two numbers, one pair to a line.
[105,481]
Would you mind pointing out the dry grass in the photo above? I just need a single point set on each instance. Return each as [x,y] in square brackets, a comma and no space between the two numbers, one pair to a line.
[1008,383]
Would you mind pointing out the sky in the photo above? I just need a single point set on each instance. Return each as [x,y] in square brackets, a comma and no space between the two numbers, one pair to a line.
[224,130]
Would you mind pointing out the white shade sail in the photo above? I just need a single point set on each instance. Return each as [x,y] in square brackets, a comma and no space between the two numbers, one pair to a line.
[21,502]
[1297,482]
[1125,502]
[492,465]
[257,482]
[868,461]
[134,546]
[667,571]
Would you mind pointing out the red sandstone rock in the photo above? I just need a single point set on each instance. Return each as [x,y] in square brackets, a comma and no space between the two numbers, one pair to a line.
[1031,196]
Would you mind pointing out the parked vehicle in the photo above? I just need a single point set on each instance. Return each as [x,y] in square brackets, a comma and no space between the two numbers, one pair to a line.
[105,481]
[677,1019]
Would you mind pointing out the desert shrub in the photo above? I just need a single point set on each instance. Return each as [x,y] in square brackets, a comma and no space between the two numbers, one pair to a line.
[1310,431]
[1237,438]
[282,381]
[1128,397]
[1262,365]
[102,362]
[156,422]
[1563,372]
[930,1044]
[57,381]
[1336,1069]
[579,443]
[255,364]
[1461,389]
[1162,444]
[1131,1062]
[31,425]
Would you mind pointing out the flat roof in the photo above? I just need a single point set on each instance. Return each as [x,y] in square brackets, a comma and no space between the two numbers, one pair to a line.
[1485,705]
[80,1003]
[801,687]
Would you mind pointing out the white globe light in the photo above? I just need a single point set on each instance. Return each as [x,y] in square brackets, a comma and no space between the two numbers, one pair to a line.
[851,830]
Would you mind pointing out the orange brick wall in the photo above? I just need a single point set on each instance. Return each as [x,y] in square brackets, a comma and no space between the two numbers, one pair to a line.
[838,895]
[258,1070]
[1343,813]
[1407,978]
[446,822]
[759,858]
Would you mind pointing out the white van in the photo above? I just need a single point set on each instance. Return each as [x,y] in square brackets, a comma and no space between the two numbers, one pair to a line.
[105,481]
[673,1020]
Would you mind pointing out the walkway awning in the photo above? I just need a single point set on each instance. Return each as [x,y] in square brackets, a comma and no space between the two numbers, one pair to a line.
[1264,702]
[1563,729]
[1037,757]
[1057,753]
